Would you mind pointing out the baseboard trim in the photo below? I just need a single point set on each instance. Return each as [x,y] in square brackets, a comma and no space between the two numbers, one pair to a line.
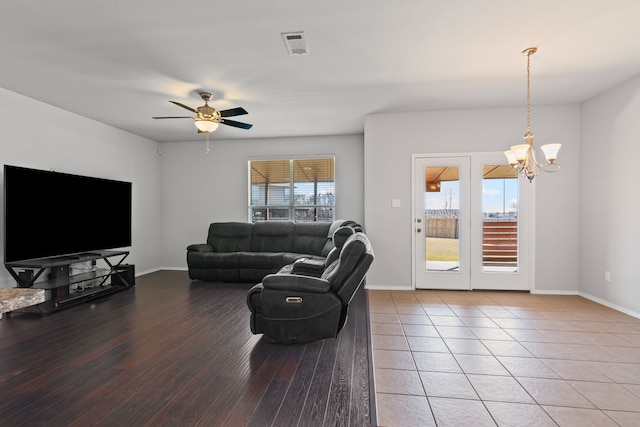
[610,305]
[387,288]
[409,288]
[549,292]
[155,270]
[142,273]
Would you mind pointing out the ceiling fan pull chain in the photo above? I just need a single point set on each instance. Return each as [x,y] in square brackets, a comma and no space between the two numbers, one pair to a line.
[206,136]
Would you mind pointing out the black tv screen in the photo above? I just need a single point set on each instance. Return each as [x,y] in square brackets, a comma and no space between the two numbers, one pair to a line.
[49,214]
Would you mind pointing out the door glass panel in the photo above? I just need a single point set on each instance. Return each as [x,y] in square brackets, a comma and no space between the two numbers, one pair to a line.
[471,223]
[442,212]
[500,219]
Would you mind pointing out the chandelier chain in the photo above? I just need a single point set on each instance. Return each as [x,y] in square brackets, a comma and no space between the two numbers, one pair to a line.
[529,92]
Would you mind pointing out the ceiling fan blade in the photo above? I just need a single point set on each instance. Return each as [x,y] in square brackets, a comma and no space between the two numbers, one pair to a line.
[173,117]
[184,106]
[236,124]
[239,111]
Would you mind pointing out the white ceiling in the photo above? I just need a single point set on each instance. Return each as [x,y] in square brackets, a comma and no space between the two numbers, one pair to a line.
[121,61]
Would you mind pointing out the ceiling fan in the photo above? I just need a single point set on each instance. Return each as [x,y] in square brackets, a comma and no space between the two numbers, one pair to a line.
[208,118]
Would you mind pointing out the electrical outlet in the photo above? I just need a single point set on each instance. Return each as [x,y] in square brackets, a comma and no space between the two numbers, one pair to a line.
[607,276]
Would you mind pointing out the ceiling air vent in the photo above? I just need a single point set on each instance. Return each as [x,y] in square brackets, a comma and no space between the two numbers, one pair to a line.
[295,42]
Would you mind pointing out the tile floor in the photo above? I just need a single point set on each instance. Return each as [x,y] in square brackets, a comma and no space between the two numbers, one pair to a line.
[450,358]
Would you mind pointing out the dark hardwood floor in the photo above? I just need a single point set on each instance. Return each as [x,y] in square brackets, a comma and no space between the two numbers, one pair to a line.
[171,352]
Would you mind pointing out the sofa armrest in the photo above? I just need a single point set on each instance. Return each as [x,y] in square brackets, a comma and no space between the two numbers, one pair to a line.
[200,247]
[308,267]
[295,282]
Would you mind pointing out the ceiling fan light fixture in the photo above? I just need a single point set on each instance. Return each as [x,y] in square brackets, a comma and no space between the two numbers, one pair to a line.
[206,125]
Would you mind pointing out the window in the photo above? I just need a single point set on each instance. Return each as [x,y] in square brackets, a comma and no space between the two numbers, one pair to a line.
[292,189]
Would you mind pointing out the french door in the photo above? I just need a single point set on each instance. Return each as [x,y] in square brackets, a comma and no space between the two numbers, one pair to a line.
[471,224]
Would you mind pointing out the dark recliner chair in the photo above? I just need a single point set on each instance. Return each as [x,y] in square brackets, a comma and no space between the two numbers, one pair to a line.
[296,308]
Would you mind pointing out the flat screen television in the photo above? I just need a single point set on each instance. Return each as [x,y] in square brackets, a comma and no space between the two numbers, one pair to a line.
[50,214]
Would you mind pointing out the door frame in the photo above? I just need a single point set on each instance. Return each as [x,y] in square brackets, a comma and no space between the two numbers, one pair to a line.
[460,278]
[530,275]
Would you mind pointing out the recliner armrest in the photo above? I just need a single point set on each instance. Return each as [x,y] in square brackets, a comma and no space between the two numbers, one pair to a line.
[308,267]
[296,282]
[200,247]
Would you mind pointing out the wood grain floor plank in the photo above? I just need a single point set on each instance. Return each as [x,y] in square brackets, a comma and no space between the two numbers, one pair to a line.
[315,408]
[267,410]
[339,400]
[293,402]
[362,402]
[269,406]
[175,352]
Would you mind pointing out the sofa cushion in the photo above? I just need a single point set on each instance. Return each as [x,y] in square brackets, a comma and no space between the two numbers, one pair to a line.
[213,266]
[253,266]
[230,236]
[272,236]
[213,259]
[310,237]
[271,260]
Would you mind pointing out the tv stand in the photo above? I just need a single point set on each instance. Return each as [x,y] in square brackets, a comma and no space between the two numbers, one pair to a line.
[65,289]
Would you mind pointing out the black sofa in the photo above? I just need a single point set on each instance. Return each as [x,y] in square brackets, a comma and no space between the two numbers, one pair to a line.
[292,307]
[245,253]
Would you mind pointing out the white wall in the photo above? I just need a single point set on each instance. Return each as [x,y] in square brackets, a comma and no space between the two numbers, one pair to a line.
[176,195]
[199,189]
[73,144]
[391,139]
[609,201]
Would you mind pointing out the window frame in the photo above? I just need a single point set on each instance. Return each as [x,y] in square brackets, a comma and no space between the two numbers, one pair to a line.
[319,209]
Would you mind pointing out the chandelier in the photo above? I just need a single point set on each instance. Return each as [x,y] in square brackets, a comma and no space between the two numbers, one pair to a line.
[522,156]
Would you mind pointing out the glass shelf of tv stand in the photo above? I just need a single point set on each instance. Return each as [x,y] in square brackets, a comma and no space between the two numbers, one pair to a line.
[98,274]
